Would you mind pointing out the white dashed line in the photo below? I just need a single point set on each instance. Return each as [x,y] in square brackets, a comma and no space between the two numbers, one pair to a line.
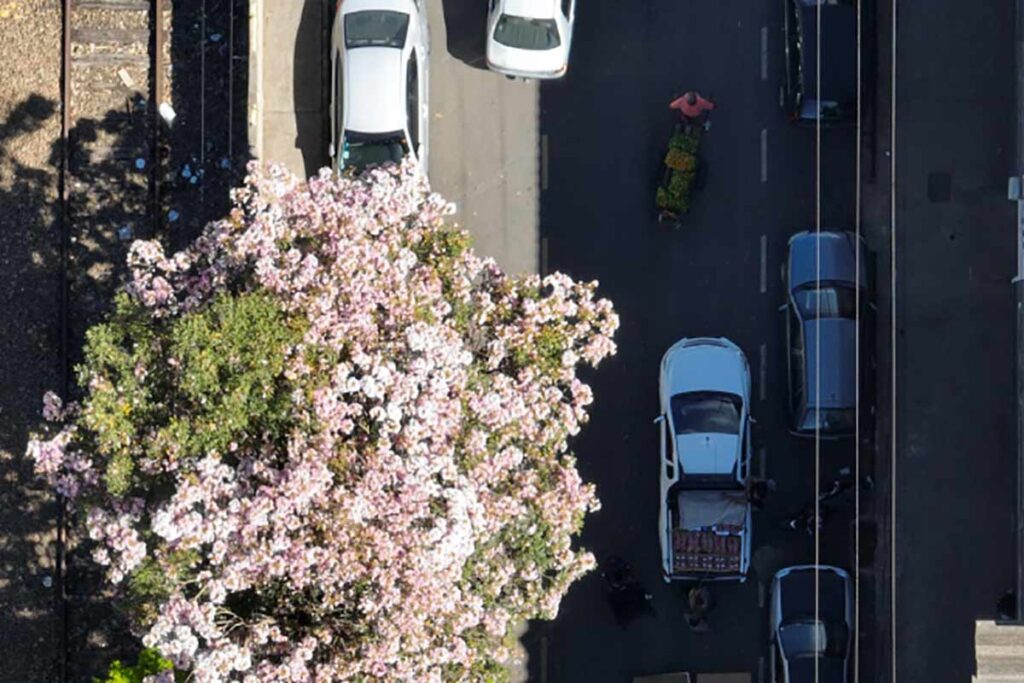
[764,53]
[544,162]
[760,669]
[764,263]
[764,155]
[763,373]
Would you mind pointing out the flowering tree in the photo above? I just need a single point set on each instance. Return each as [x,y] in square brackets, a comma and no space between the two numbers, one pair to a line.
[329,442]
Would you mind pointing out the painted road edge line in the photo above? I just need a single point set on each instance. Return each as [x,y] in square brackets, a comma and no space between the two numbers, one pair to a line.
[764,263]
[764,155]
[763,373]
[764,53]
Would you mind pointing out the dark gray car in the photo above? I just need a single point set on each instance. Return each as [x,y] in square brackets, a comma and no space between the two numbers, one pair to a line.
[826,300]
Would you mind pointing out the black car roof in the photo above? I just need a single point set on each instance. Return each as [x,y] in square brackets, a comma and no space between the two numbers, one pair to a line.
[797,595]
[838,49]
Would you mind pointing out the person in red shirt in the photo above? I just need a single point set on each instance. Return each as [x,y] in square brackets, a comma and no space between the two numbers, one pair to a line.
[692,106]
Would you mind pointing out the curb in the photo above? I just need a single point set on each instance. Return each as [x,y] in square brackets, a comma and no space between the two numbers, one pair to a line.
[255,115]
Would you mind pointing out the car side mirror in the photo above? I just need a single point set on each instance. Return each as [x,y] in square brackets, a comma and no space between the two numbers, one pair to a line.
[659,419]
[783,307]
[331,151]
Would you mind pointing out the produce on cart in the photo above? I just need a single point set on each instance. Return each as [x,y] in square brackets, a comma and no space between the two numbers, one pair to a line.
[680,171]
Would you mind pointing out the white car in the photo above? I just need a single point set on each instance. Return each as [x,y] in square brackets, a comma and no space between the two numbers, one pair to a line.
[530,38]
[379,91]
[705,523]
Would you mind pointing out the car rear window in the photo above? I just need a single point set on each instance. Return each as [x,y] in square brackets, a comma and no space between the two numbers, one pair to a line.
[527,34]
[827,301]
[376,28]
[706,412]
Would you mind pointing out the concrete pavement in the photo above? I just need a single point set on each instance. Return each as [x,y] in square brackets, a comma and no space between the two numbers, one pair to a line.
[485,150]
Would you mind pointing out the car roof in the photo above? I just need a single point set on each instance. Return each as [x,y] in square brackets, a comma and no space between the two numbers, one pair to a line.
[836,255]
[796,594]
[374,90]
[534,9]
[839,50]
[835,340]
[828,670]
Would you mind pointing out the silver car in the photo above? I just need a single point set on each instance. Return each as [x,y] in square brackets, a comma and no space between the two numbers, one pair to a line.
[811,623]
[379,91]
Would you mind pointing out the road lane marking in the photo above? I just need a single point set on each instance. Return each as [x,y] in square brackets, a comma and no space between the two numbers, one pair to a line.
[762,462]
[544,162]
[544,659]
[764,155]
[764,263]
[760,669]
[764,53]
[763,373]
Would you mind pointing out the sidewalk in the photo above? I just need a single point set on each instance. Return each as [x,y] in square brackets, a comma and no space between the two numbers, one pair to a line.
[288,77]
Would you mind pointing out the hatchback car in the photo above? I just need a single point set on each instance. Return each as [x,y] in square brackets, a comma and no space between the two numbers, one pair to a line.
[799,94]
[810,626]
[823,290]
[379,64]
[530,38]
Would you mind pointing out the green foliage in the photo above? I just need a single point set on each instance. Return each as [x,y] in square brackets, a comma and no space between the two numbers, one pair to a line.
[681,170]
[187,387]
[149,663]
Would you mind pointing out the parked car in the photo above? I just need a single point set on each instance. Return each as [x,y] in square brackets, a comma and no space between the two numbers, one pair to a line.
[704,524]
[822,287]
[811,617]
[530,38]
[799,94]
[379,93]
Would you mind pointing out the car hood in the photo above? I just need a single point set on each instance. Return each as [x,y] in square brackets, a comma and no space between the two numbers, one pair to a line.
[376,86]
[838,258]
[707,453]
[835,341]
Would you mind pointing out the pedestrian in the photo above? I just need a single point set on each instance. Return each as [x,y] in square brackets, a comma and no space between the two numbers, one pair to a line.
[693,107]
[758,490]
[701,602]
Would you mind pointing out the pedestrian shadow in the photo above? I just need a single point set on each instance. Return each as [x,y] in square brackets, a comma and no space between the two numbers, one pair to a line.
[465,23]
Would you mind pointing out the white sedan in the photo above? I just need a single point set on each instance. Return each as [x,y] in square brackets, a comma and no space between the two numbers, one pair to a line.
[530,38]
[379,68]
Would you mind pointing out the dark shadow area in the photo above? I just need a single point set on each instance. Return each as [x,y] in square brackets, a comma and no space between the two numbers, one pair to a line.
[29,285]
[465,23]
[208,140]
[311,84]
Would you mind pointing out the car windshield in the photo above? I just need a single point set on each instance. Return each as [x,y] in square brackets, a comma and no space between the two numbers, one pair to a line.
[377,28]
[810,637]
[827,301]
[362,151]
[832,420]
[706,412]
[527,34]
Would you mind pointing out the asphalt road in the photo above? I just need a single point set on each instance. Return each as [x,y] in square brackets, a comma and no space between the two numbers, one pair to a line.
[606,125]
[955,420]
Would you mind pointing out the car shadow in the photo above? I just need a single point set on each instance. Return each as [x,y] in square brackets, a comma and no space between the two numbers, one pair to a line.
[465,22]
[311,84]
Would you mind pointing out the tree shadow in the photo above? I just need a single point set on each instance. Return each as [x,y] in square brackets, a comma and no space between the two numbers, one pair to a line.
[466,26]
[311,84]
